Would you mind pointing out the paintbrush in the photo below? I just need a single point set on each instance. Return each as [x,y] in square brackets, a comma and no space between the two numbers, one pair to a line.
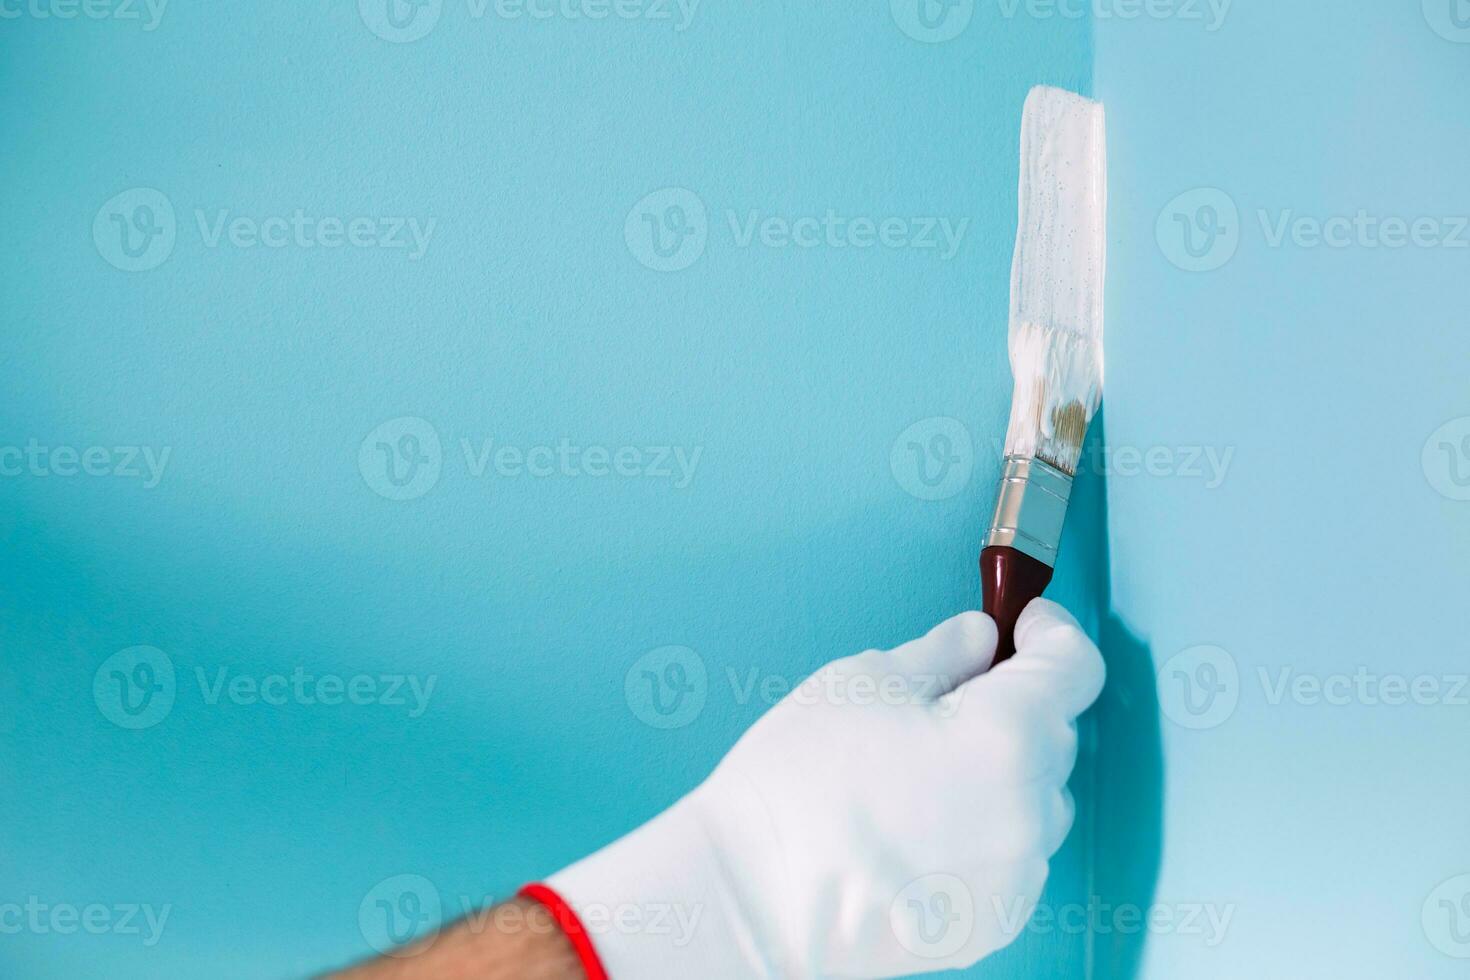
[1056,329]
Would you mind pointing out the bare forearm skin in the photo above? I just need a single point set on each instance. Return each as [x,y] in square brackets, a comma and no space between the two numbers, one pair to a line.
[515,941]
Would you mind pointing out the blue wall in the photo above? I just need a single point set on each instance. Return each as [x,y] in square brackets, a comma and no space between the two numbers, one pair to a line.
[1329,812]
[1274,503]
[271,542]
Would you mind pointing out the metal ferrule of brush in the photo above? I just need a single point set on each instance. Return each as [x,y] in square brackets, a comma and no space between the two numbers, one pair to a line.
[1030,508]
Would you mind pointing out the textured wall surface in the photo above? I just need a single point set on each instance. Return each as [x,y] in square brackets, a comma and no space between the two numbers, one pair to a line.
[216,492]
[1287,285]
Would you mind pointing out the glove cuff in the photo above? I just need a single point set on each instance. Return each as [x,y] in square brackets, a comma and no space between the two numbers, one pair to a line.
[659,904]
[571,927]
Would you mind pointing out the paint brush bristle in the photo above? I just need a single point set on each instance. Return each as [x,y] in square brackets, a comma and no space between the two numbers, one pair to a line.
[1058,387]
[1057,278]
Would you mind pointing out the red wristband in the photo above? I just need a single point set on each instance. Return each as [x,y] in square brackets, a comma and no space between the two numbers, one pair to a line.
[571,926]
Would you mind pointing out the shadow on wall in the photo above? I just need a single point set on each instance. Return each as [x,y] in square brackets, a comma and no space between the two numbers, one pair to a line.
[1126,783]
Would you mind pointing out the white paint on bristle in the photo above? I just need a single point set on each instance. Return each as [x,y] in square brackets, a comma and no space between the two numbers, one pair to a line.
[1057,277]
[1058,388]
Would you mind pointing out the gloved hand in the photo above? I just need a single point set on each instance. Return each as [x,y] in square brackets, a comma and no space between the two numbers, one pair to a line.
[893,815]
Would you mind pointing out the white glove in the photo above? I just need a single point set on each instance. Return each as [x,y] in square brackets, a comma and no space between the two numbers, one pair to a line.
[893,815]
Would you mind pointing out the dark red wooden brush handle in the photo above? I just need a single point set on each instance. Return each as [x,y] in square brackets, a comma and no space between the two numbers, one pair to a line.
[1009,580]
